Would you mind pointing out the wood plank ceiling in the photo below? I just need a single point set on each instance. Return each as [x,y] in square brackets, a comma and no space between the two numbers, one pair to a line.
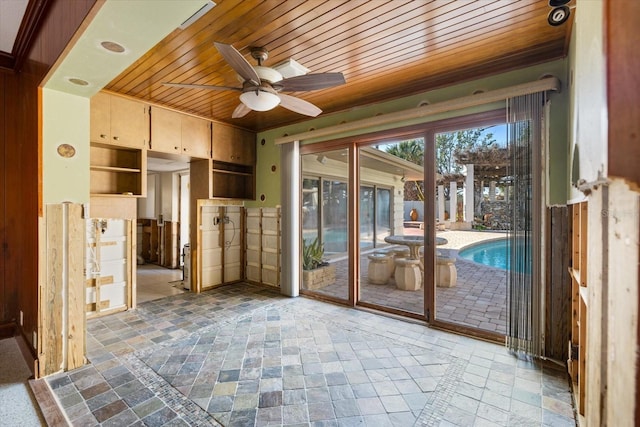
[385,49]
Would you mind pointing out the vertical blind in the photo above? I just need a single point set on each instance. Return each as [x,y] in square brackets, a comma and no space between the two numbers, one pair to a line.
[524,136]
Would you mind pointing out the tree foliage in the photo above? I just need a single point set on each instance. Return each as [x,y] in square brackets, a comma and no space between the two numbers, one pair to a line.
[411,150]
[447,144]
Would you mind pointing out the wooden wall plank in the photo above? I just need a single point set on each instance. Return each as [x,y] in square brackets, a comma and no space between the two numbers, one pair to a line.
[132,264]
[76,328]
[558,295]
[113,207]
[52,291]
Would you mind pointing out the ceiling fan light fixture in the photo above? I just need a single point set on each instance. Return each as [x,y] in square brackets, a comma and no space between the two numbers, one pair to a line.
[259,100]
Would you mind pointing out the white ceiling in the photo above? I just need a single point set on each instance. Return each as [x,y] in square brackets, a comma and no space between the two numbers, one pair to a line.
[11,14]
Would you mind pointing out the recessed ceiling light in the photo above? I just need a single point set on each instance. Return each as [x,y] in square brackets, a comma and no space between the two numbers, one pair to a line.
[77,81]
[112,46]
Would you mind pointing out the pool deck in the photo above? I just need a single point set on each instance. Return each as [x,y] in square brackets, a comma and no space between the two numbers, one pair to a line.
[478,299]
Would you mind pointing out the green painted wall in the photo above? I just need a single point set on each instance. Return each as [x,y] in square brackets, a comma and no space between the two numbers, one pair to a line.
[268,154]
[66,122]
[588,99]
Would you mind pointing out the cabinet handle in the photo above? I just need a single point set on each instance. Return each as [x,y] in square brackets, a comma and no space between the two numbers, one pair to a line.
[103,136]
[175,148]
[117,138]
[184,149]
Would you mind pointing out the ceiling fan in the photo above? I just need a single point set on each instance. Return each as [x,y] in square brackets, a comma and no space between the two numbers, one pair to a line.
[263,86]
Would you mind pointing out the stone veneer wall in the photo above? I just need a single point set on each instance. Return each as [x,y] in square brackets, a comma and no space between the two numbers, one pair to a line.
[500,211]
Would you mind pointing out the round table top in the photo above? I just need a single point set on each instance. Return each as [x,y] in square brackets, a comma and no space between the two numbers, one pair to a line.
[412,240]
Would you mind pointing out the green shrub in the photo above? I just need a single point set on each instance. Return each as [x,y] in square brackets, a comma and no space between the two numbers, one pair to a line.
[312,254]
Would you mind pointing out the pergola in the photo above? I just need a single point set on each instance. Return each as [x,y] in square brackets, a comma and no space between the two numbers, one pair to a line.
[482,165]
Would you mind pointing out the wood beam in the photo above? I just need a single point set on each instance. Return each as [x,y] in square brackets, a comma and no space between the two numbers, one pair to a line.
[30,26]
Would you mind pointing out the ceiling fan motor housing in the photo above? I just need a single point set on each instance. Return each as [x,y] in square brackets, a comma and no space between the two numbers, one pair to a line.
[268,74]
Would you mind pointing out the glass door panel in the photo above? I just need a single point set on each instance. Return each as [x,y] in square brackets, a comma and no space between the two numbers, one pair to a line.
[325,224]
[383,215]
[367,212]
[472,211]
[391,273]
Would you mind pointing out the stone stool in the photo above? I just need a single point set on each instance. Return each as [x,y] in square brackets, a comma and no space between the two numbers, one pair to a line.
[446,273]
[390,264]
[378,270]
[397,254]
[408,274]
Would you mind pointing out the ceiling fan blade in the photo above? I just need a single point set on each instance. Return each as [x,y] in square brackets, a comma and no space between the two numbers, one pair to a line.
[311,82]
[298,105]
[190,86]
[240,111]
[238,63]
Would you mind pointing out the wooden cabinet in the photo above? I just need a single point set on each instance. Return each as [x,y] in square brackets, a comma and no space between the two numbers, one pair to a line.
[579,302]
[214,179]
[177,133]
[196,137]
[117,170]
[119,121]
[233,145]
[166,131]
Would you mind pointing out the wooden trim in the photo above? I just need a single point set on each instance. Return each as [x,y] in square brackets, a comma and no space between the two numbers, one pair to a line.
[47,403]
[429,233]
[467,331]
[29,28]
[28,353]
[39,153]
[7,330]
[353,247]
[6,61]
[551,83]
[390,310]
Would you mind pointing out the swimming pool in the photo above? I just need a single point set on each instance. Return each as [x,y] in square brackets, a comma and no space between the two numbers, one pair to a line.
[494,253]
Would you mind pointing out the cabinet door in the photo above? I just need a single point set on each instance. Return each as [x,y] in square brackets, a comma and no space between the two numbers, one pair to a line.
[196,137]
[222,143]
[100,121]
[165,130]
[129,122]
[233,145]
[246,147]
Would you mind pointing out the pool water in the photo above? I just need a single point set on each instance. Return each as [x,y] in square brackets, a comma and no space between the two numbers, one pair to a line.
[494,254]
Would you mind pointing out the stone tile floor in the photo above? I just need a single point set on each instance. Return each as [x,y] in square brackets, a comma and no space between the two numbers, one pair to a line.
[244,355]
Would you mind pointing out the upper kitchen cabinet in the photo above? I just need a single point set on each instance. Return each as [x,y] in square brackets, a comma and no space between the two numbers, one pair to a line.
[174,132]
[119,121]
[233,145]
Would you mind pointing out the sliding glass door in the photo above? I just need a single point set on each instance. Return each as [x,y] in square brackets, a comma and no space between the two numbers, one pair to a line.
[325,224]
[418,226]
[390,188]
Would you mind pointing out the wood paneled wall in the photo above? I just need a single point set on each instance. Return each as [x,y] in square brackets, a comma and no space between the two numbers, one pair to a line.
[558,291]
[3,229]
[20,185]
